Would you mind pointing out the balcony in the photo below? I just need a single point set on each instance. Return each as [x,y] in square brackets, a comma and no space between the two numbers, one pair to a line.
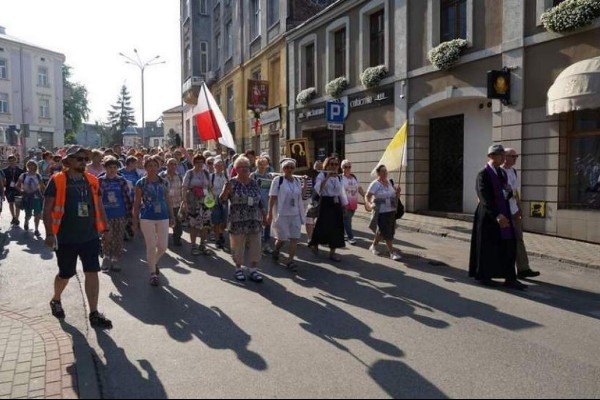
[191,89]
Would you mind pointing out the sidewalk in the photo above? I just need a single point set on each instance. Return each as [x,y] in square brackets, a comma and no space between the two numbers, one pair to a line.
[553,248]
[36,358]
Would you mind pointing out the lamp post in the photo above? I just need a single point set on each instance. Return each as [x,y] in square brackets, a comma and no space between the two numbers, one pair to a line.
[137,61]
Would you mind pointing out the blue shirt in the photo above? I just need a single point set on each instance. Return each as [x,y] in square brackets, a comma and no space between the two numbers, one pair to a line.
[132,178]
[113,197]
[154,200]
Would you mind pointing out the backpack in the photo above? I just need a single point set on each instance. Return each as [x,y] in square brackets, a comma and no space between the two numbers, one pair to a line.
[212,180]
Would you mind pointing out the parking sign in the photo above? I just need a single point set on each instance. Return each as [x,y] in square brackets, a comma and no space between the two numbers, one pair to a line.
[335,112]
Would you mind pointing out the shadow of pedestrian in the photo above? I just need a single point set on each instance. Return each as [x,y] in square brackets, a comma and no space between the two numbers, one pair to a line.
[402,382]
[31,245]
[184,318]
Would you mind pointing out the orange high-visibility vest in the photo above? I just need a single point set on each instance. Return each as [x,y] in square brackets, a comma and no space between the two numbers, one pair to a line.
[60,180]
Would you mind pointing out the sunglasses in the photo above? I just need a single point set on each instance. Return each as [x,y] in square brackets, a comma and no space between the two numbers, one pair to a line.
[348,167]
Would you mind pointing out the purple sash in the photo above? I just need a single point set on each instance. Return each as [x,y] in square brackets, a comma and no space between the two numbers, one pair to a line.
[501,202]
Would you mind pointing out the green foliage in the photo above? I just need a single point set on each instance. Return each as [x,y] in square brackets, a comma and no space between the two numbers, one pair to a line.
[336,87]
[75,105]
[121,116]
[447,54]
[306,96]
[70,137]
[372,77]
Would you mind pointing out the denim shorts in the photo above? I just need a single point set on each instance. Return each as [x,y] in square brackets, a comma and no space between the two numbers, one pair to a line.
[67,255]
[220,214]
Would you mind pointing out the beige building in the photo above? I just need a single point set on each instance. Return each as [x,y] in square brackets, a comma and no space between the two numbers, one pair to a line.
[173,120]
[452,122]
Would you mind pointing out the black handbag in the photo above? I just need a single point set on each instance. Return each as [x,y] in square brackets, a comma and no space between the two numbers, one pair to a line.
[400,210]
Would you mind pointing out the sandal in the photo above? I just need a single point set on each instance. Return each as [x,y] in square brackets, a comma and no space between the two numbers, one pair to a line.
[291,266]
[204,251]
[98,320]
[240,276]
[154,280]
[256,277]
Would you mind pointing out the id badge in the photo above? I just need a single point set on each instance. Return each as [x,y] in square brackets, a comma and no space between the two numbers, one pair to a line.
[157,209]
[251,201]
[83,210]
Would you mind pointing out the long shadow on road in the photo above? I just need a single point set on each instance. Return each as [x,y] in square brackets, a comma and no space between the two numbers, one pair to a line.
[182,317]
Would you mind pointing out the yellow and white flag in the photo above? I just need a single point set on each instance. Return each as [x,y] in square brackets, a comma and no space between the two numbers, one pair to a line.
[394,157]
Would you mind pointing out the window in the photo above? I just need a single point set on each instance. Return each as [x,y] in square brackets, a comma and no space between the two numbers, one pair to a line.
[204,7]
[156,143]
[204,57]
[275,82]
[453,21]
[230,110]
[218,55]
[309,52]
[340,53]
[584,160]
[3,69]
[188,61]
[255,19]
[377,39]
[4,103]
[44,108]
[218,98]
[43,77]
[229,39]
[273,12]
[257,75]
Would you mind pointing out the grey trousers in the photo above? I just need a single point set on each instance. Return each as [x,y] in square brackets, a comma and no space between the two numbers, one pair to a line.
[522,258]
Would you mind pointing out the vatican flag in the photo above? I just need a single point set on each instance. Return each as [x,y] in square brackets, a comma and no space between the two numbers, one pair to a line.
[394,157]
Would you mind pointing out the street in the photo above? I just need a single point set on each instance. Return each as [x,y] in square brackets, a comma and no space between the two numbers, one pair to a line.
[366,328]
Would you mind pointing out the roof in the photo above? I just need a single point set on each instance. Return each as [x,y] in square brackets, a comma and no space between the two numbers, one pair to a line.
[24,43]
[178,110]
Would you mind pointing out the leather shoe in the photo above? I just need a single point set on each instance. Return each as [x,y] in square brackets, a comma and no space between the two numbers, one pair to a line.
[515,284]
[528,274]
[489,283]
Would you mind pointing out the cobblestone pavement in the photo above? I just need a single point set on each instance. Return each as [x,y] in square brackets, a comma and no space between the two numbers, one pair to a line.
[36,358]
[549,247]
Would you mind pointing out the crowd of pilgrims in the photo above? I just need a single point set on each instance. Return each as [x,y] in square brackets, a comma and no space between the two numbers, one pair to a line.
[260,206]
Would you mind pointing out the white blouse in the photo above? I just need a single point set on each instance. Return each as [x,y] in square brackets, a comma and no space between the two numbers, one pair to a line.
[333,188]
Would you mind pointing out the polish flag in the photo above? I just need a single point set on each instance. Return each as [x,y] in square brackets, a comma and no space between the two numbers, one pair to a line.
[210,122]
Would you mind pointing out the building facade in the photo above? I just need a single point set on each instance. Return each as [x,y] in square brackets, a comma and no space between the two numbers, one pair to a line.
[31,92]
[451,120]
[173,121]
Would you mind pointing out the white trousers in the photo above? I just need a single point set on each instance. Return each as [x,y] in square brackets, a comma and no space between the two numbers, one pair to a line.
[156,235]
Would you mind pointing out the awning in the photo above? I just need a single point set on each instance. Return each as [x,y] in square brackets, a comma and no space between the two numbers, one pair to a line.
[576,88]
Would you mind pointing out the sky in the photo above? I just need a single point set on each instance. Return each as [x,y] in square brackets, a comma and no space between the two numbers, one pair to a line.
[91,34]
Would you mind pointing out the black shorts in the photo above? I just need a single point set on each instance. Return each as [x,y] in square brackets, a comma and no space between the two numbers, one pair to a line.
[67,255]
[387,225]
[10,195]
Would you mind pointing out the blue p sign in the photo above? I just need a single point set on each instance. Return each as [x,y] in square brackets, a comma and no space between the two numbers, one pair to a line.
[335,112]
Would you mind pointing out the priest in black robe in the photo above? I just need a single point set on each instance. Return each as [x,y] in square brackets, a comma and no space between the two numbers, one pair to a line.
[493,245]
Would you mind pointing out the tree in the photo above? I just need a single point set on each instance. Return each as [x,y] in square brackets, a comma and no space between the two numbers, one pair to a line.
[75,106]
[70,137]
[121,116]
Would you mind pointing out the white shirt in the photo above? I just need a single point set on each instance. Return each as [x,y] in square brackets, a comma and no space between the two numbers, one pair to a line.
[351,186]
[385,198]
[289,198]
[219,182]
[333,188]
[513,181]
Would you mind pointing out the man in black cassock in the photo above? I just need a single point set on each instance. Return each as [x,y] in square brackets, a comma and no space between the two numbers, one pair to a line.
[493,245]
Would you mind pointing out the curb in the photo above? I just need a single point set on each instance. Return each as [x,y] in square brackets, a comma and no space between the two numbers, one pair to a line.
[462,238]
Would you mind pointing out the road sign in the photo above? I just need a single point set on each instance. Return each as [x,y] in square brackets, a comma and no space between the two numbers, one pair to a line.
[335,112]
[335,127]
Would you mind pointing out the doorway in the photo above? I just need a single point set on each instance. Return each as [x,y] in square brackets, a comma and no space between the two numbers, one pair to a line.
[446,164]
[323,142]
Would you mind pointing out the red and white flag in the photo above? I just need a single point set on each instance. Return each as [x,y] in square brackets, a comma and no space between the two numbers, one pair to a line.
[210,122]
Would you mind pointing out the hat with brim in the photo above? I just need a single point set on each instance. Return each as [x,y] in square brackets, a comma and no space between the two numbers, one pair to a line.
[496,149]
[74,150]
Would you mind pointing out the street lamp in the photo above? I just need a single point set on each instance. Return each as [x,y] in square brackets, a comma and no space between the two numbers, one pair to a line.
[142,66]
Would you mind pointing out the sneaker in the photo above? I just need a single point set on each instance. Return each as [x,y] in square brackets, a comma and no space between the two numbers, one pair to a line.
[267,249]
[26,227]
[98,320]
[396,256]
[374,250]
[106,264]
[352,242]
[114,266]
[196,250]
[57,309]
[154,281]
[37,234]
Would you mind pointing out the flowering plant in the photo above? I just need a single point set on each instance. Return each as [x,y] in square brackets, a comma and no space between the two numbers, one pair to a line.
[371,77]
[305,96]
[447,54]
[571,15]
[336,87]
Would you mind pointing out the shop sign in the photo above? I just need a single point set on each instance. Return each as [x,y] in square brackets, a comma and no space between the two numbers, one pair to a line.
[312,113]
[383,97]
[271,116]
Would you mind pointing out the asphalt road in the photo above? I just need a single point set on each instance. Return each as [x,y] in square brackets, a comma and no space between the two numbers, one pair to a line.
[366,328]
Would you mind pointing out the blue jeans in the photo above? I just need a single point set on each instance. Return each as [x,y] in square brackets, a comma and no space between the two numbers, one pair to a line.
[348,215]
